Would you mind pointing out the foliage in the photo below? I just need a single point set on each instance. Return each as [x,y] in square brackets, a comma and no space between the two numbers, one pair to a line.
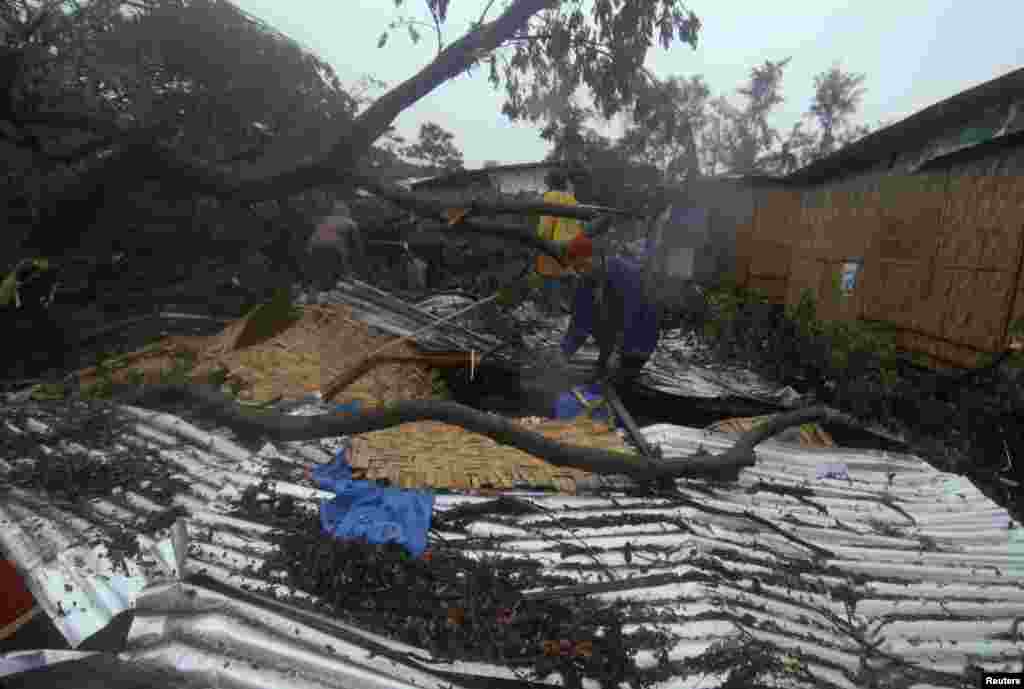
[178,89]
[266,320]
[836,97]
[436,149]
[666,122]
[837,94]
[196,69]
[179,371]
[960,424]
[739,137]
[562,50]
[439,386]
[217,377]
[49,391]
[570,138]
[612,178]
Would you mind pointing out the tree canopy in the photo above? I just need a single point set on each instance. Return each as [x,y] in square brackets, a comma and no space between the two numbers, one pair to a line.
[679,129]
[180,88]
[435,149]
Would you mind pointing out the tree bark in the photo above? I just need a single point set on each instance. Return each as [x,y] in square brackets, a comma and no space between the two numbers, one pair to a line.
[214,405]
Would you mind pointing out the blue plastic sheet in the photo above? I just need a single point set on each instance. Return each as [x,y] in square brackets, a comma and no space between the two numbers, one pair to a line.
[363,510]
[568,405]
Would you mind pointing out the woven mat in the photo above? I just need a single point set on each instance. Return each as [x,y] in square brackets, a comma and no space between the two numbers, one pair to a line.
[323,342]
[326,341]
[809,434]
[430,453]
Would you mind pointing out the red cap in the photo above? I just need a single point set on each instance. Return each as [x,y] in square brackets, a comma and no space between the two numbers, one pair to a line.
[580,247]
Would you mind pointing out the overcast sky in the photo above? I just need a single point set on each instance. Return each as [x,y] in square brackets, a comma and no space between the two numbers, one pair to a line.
[914,53]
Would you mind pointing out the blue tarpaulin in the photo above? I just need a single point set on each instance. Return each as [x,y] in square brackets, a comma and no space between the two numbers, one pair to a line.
[569,405]
[363,510]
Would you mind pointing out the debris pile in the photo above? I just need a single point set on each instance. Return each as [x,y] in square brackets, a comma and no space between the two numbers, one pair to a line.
[38,458]
[470,609]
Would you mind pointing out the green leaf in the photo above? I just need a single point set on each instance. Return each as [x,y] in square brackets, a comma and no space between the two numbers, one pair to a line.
[414,34]
[398,3]
[267,320]
[382,40]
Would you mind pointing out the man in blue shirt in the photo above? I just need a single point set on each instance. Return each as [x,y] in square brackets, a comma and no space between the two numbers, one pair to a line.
[610,305]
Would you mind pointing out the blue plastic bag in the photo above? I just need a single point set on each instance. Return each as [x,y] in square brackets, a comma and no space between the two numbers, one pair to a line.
[568,405]
[364,510]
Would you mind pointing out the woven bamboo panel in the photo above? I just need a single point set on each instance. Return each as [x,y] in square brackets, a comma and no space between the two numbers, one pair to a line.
[778,217]
[770,259]
[818,220]
[434,454]
[894,292]
[774,289]
[805,274]
[904,193]
[322,343]
[855,219]
[983,220]
[1017,314]
[977,305]
[940,354]
[808,435]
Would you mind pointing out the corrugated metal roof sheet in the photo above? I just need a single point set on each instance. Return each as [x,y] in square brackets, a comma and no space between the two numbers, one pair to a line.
[670,370]
[899,572]
[395,316]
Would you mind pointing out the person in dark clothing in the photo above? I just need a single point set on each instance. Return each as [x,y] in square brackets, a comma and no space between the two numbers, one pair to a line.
[335,249]
[39,342]
[610,305]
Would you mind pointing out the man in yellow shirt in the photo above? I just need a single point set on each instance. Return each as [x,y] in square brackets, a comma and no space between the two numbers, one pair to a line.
[558,229]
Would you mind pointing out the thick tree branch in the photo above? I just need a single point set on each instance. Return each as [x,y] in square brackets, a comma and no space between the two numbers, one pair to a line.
[375,120]
[216,406]
[520,234]
[425,204]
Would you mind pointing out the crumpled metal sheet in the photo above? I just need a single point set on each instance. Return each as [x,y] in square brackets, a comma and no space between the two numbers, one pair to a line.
[23,661]
[670,370]
[219,640]
[914,563]
[392,315]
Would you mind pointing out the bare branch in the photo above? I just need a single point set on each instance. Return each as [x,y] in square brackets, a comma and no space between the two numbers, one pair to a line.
[437,26]
[483,14]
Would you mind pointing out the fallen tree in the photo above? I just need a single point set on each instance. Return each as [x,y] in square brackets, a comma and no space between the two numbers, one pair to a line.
[214,405]
[541,49]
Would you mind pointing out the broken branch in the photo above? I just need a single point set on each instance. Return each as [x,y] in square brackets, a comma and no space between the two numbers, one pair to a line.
[427,205]
[218,407]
